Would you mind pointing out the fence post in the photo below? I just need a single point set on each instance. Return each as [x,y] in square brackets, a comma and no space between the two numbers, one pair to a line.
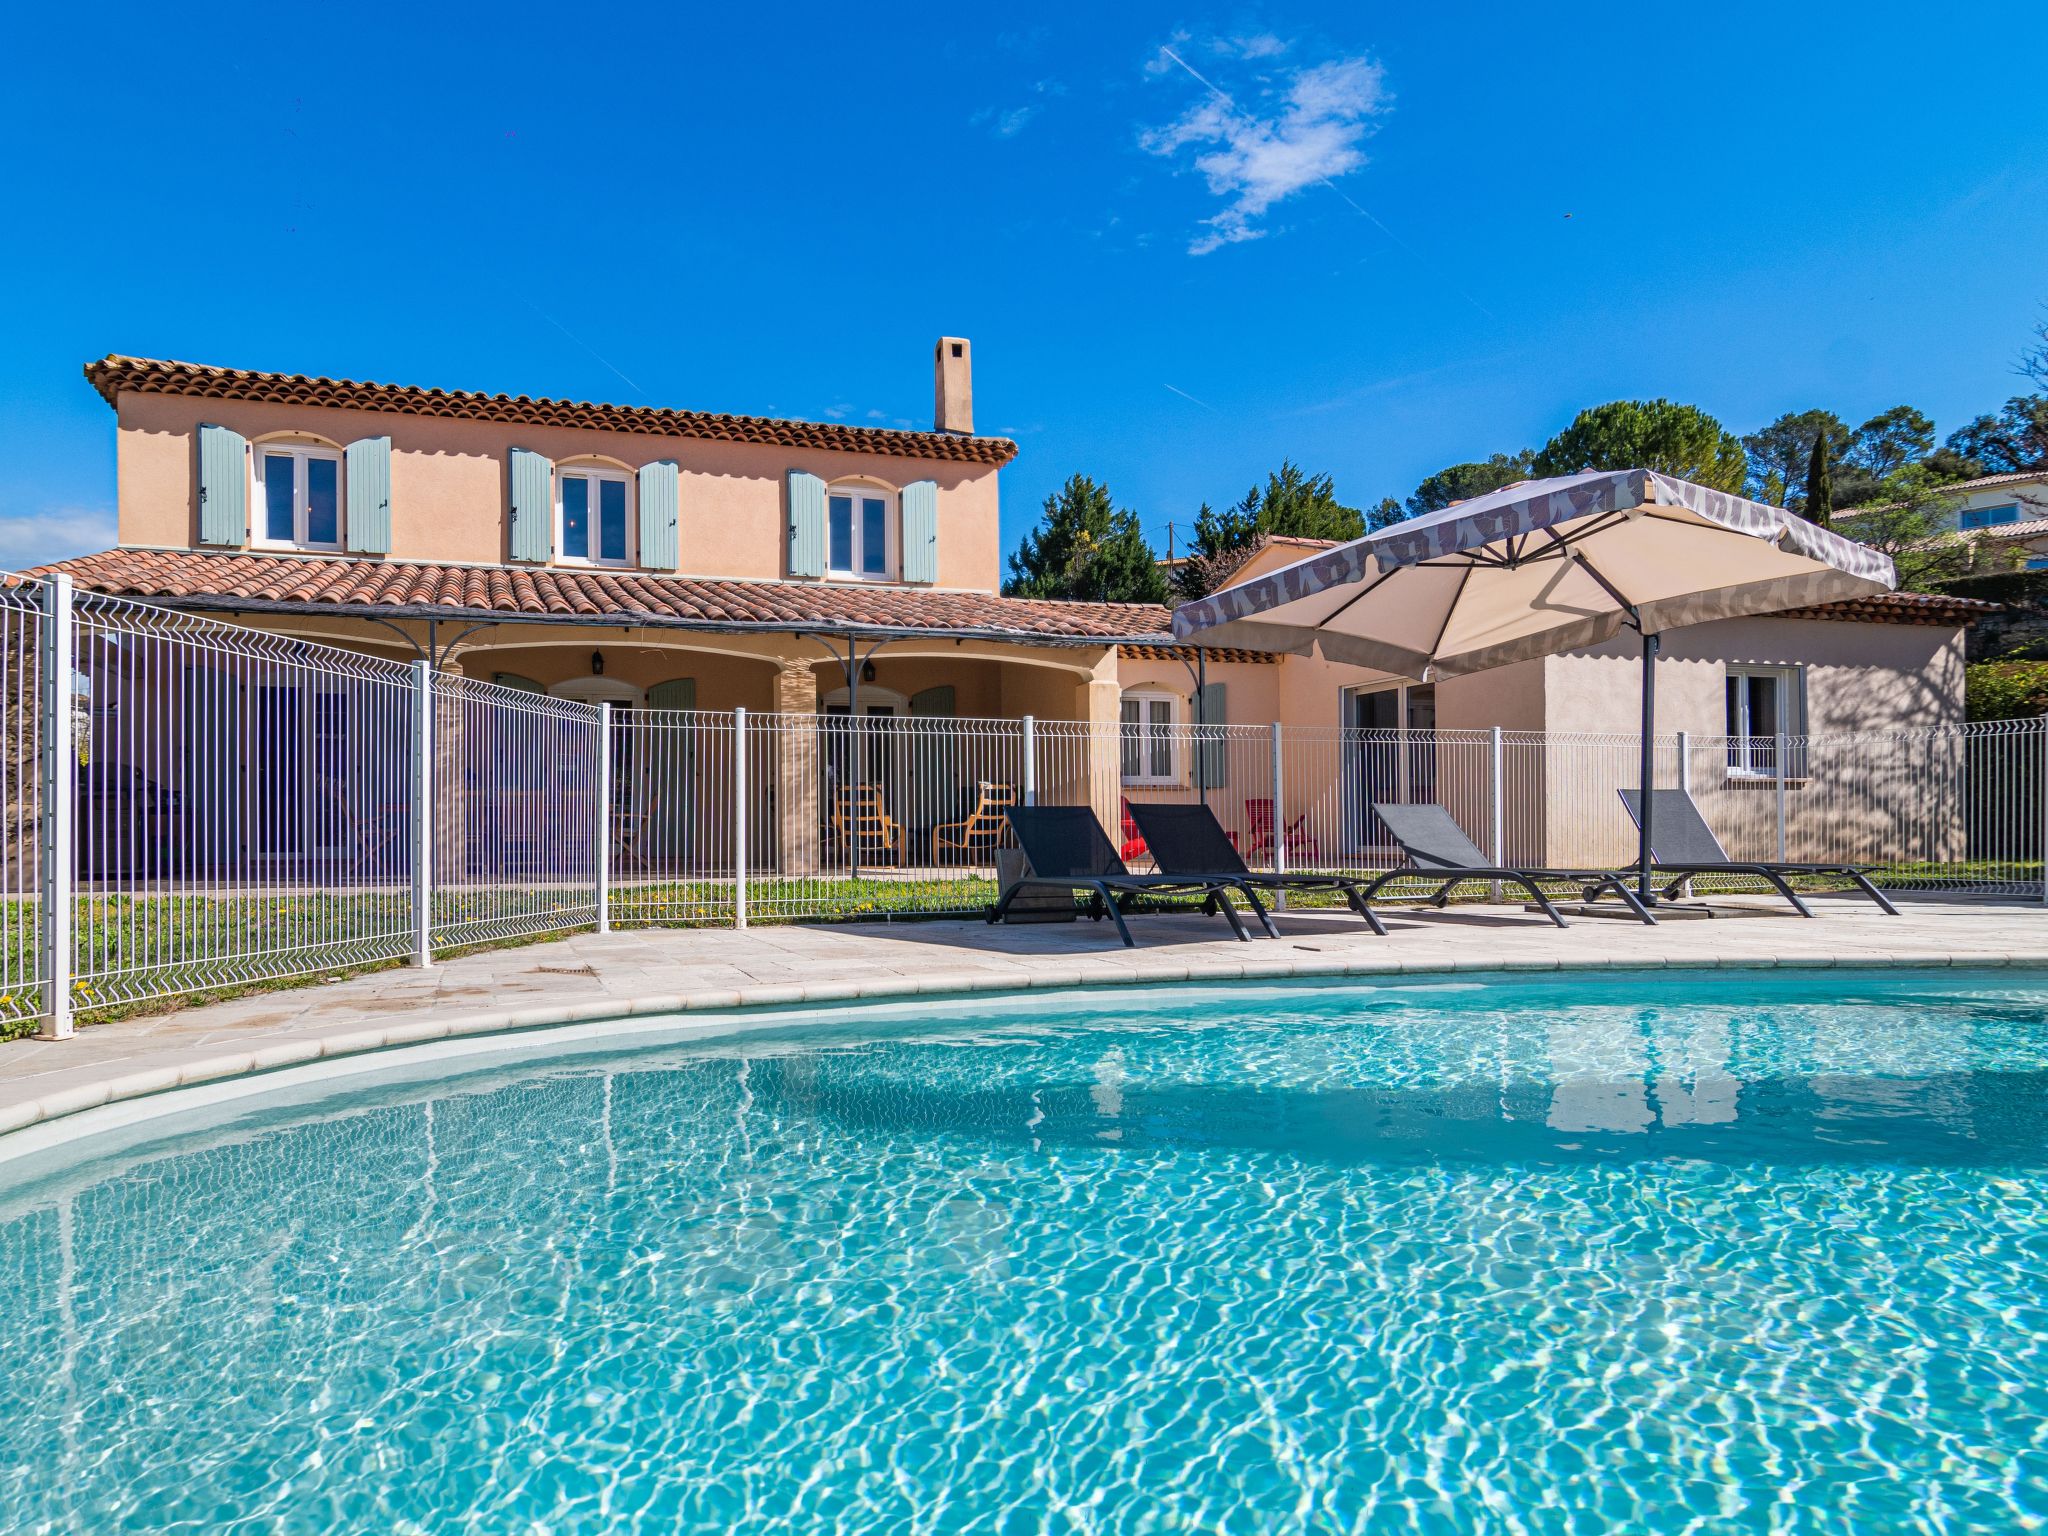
[601,836]
[1779,749]
[1030,749]
[739,818]
[2041,805]
[1685,783]
[1279,816]
[422,813]
[59,780]
[1496,809]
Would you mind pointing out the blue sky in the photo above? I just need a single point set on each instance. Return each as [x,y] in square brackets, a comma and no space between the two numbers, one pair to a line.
[1186,243]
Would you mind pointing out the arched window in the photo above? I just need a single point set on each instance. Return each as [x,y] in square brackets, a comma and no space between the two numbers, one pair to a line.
[593,515]
[861,540]
[298,495]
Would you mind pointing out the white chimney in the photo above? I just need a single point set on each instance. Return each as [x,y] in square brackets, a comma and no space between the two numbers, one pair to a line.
[953,386]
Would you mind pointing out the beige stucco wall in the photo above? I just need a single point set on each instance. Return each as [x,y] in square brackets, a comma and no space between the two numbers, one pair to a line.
[1859,677]
[449,490]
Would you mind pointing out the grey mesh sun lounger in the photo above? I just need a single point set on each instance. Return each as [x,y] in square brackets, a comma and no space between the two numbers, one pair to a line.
[1682,844]
[1068,851]
[1435,845]
[1188,840]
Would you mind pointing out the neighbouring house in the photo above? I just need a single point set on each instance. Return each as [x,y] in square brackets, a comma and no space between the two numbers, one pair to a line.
[680,560]
[2005,516]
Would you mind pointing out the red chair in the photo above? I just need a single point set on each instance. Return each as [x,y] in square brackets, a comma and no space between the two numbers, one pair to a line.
[1258,815]
[1133,843]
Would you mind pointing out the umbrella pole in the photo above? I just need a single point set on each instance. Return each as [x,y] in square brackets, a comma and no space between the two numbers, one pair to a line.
[1648,782]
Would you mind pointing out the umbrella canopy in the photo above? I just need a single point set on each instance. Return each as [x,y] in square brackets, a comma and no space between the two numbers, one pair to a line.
[1538,568]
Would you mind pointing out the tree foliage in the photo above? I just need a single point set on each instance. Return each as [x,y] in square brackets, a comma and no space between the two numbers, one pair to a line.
[1087,550]
[1461,482]
[1291,504]
[1891,441]
[1820,493]
[2005,690]
[1995,444]
[1680,440]
[1777,455]
[1912,520]
[1387,513]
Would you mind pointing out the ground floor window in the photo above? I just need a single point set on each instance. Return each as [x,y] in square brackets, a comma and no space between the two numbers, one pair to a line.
[1148,738]
[1762,703]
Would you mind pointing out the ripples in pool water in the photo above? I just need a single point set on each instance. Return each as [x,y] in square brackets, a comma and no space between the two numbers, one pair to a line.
[1599,1255]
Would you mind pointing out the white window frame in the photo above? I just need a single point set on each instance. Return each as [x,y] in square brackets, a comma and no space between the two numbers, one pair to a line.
[302,502]
[593,472]
[892,539]
[1752,753]
[1147,727]
[1985,522]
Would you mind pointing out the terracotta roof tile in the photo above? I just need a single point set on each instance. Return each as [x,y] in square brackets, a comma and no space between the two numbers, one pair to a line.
[1898,608]
[196,578]
[144,375]
[213,579]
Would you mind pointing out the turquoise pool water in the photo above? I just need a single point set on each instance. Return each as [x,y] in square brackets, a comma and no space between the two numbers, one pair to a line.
[1594,1254]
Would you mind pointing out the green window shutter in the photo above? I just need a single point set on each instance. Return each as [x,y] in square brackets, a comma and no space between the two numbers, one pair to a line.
[806,524]
[934,702]
[921,531]
[533,506]
[223,486]
[1213,745]
[676,693]
[660,508]
[514,680]
[368,465]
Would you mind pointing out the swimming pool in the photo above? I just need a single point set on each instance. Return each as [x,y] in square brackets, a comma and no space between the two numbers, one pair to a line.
[1708,1251]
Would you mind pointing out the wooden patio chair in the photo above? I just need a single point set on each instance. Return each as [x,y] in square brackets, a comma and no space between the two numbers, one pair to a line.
[861,821]
[629,833]
[985,828]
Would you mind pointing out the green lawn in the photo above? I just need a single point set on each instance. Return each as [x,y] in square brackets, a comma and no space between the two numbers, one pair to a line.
[149,953]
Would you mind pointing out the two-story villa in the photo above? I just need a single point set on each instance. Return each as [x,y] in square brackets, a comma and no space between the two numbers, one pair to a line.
[676,560]
[600,552]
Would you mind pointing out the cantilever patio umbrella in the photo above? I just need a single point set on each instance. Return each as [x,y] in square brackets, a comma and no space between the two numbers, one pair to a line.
[1538,568]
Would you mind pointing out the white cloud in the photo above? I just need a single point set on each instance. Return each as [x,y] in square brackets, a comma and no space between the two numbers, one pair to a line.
[1309,128]
[1260,45]
[35,538]
[1011,123]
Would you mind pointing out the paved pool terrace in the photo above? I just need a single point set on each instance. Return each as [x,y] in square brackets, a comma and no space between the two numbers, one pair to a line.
[632,974]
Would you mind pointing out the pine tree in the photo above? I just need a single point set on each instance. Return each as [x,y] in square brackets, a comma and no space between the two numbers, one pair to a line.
[1085,549]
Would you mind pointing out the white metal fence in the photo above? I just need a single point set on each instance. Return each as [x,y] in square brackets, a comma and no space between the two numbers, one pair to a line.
[192,805]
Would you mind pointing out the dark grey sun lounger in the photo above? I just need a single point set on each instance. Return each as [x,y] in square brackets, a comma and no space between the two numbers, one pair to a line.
[1682,844]
[1188,840]
[1068,851]
[1435,845]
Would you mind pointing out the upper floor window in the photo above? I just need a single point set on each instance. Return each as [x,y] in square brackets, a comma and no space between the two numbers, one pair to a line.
[1988,517]
[298,497]
[860,533]
[592,516]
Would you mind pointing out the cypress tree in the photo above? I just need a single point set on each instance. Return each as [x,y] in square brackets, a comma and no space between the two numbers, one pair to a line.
[1820,486]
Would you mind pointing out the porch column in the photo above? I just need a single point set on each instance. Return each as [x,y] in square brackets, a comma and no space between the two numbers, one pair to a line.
[795,753]
[1102,708]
